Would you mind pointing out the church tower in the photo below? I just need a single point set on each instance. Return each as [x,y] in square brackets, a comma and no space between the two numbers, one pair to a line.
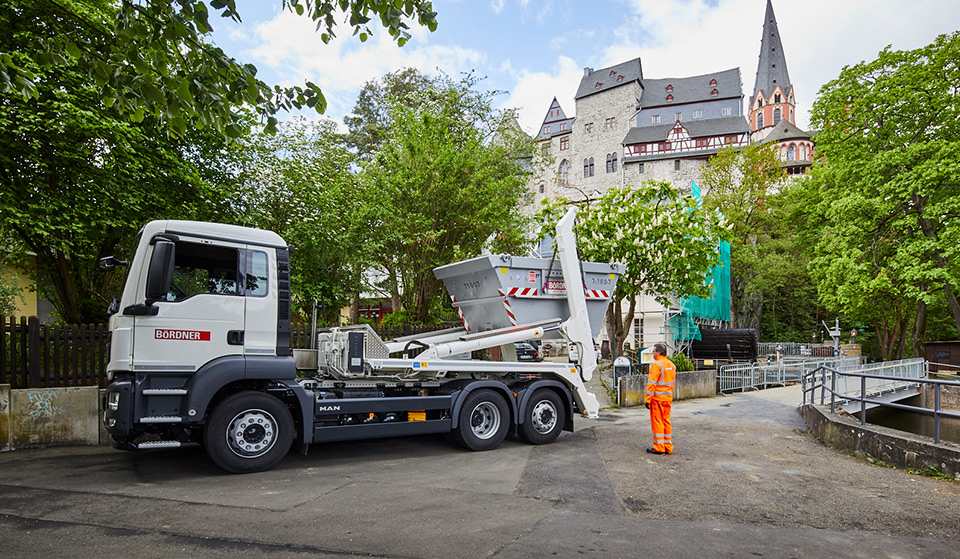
[772,100]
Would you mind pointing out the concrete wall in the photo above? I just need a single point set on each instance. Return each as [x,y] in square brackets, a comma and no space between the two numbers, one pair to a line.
[48,416]
[901,449]
[690,384]
[949,397]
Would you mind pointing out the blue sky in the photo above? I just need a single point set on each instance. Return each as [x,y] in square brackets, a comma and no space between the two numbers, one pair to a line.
[537,49]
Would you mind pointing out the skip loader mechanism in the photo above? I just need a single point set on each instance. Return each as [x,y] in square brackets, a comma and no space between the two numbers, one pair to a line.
[200,352]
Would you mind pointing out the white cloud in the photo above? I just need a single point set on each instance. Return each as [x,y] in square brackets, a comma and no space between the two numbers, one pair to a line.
[534,91]
[292,48]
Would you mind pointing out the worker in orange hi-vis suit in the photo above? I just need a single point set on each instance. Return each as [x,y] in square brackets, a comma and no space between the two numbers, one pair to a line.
[660,381]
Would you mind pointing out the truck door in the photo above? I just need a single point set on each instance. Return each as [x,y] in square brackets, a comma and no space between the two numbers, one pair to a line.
[261,291]
[201,317]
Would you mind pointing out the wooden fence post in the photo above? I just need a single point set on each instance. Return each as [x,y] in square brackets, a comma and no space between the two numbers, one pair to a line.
[33,339]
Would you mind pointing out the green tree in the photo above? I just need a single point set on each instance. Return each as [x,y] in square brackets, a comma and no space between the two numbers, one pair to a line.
[298,183]
[153,57]
[889,191]
[667,243]
[443,189]
[78,180]
[741,184]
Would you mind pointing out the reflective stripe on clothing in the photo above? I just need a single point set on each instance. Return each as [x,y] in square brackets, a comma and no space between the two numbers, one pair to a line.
[661,380]
[661,427]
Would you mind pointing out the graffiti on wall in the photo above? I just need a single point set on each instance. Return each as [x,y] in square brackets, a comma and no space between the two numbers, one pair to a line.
[43,403]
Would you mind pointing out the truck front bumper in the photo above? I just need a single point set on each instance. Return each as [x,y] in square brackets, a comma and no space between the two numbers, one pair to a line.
[117,408]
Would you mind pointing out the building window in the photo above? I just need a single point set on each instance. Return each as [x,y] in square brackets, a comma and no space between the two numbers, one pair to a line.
[565,171]
[702,142]
[655,119]
[610,123]
[641,168]
[545,149]
[676,164]
[776,117]
[664,146]
[541,188]
[792,153]
[546,129]
[714,92]
[669,97]
[588,128]
[609,168]
[565,143]
[669,87]
[713,82]
[776,98]
[760,119]
[591,166]
[611,163]
[588,167]
[698,113]
[614,163]
[678,115]
[563,126]
[726,111]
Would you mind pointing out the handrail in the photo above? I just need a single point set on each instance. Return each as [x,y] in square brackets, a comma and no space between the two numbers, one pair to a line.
[862,398]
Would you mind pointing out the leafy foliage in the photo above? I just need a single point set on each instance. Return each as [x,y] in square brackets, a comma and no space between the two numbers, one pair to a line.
[152,57]
[667,243]
[298,183]
[9,290]
[443,188]
[887,199]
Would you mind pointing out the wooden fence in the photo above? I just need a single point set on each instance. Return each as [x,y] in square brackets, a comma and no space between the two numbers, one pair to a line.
[34,355]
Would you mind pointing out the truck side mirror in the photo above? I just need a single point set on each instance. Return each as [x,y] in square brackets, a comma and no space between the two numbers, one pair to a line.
[160,273]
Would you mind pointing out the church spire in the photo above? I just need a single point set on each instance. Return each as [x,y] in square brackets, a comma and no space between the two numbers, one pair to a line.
[772,68]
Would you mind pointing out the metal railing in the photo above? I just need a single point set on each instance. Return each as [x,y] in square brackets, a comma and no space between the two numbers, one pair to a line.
[869,387]
[787,349]
[756,376]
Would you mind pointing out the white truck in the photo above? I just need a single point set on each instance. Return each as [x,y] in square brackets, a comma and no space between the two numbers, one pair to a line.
[200,352]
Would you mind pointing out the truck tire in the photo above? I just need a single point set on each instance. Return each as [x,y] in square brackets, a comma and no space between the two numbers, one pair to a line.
[248,432]
[543,418]
[483,421]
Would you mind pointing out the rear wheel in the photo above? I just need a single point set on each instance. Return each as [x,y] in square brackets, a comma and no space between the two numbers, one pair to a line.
[543,417]
[483,421]
[248,432]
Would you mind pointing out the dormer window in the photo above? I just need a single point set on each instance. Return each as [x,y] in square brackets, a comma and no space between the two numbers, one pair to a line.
[596,86]
[612,73]
[619,78]
[670,88]
[669,97]
[714,92]
[713,82]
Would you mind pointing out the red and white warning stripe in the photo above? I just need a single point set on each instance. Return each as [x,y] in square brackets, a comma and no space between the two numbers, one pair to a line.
[506,305]
[597,294]
[460,312]
[519,292]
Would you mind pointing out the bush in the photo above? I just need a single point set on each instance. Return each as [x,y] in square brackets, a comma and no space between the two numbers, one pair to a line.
[682,363]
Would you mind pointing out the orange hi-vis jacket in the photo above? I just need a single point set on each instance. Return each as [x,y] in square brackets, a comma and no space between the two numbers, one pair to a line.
[660,381]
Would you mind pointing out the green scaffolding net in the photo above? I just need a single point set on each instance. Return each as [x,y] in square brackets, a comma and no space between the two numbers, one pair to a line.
[715,307]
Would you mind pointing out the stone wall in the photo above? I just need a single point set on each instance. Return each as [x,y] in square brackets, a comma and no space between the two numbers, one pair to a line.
[690,384]
[899,448]
[949,397]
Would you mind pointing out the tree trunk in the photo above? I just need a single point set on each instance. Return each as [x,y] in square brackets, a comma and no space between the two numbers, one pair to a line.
[920,329]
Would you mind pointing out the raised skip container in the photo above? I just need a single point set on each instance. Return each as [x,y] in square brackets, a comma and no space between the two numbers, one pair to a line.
[499,290]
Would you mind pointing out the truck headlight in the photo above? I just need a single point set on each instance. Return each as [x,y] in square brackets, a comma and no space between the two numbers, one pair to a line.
[113,400]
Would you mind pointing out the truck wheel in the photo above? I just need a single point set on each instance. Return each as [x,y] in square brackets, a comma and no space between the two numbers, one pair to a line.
[483,422]
[248,432]
[543,418]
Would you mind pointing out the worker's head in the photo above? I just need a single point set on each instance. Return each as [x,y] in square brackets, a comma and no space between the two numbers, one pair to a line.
[659,349]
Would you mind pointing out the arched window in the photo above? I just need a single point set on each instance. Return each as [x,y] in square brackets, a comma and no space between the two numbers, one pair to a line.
[760,119]
[609,163]
[792,153]
[591,166]
[803,152]
[776,117]
[564,172]
[586,168]
[614,163]
[541,188]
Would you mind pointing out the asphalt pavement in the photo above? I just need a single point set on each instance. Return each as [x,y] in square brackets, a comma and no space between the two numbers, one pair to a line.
[746,479]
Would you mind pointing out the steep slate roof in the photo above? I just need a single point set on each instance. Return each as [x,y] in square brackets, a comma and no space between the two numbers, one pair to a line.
[692,89]
[786,131]
[595,81]
[554,122]
[695,128]
[772,67]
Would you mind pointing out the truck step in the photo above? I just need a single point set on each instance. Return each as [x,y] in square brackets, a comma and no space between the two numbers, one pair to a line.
[164,391]
[162,419]
[153,445]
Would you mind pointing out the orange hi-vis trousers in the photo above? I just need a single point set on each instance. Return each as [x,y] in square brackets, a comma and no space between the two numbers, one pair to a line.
[660,425]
